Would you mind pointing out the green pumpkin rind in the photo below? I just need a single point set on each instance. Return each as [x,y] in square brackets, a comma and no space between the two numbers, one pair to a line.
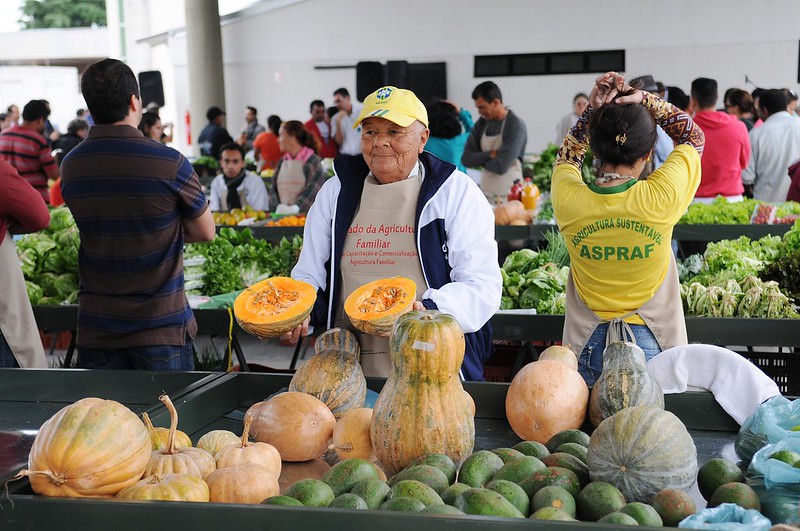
[335,377]
[642,450]
[624,382]
[421,408]
[339,339]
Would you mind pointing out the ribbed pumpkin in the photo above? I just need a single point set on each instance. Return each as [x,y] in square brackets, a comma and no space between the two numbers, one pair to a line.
[246,452]
[93,447]
[249,483]
[175,460]
[212,441]
[374,307]
[544,398]
[642,450]
[560,353]
[274,306]
[337,339]
[422,408]
[333,376]
[169,487]
[160,436]
[300,426]
[624,382]
[351,435]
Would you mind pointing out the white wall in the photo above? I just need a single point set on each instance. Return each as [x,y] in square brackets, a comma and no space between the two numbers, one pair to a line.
[57,84]
[269,55]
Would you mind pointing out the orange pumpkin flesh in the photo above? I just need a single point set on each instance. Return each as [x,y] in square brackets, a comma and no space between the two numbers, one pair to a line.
[174,460]
[351,435]
[93,447]
[247,452]
[274,306]
[299,425]
[544,398]
[374,307]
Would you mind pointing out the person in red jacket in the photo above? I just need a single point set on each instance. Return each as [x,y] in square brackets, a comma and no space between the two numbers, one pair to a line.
[727,150]
[320,126]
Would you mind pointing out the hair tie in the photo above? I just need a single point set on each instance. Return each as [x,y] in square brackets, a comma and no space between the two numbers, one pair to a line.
[621,139]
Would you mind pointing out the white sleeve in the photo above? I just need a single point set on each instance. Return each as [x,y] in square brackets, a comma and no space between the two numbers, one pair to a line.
[257,192]
[317,236]
[473,296]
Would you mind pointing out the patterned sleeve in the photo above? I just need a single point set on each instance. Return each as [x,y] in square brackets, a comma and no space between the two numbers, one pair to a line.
[677,124]
[315,178]
[574,146]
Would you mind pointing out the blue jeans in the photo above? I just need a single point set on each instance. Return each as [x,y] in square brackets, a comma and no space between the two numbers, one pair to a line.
[7,359]
[149,358]
[590,362]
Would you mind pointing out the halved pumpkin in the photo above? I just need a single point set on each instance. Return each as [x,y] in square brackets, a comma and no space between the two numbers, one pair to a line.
[274,306]
[374,307]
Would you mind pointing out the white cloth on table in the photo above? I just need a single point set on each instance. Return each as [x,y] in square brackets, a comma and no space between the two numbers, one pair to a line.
[737,385]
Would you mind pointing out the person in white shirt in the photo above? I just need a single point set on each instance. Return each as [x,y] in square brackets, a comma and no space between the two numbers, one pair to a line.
[349,139]
[579,104]
[236,187]
[775,146]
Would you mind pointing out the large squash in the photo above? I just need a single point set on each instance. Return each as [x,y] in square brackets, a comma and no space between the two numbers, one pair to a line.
[334,376]
[374,307]
[274,306]
[422,408]
[642,450]
[93,447]
[300,426]
[624,382]
[544,398]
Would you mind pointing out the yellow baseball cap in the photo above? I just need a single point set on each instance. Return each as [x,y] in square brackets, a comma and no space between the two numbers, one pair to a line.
[397,105]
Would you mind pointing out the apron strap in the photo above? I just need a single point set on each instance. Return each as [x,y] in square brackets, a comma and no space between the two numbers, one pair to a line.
[618,329]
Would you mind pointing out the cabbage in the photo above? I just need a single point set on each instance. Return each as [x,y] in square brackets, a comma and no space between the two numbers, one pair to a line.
[712,301]
[521,260]
[53,262]
[35,292]
[750,302]
[61,219]
[728,304]
[64,285]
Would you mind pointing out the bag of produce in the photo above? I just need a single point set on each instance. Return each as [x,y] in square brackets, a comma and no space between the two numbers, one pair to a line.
[774,476]
[771,422]
[727,517]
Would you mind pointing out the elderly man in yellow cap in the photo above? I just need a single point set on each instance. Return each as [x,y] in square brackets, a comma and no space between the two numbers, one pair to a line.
[398,210]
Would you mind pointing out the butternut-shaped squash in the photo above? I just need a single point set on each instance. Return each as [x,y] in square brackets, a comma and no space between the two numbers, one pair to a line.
[339,339]
[274,306]
[422,408]
[374,307]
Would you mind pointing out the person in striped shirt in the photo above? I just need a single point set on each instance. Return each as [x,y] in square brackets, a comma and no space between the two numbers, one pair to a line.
[25,147]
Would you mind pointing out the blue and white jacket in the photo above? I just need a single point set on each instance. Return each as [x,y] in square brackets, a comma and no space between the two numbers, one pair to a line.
[455,242]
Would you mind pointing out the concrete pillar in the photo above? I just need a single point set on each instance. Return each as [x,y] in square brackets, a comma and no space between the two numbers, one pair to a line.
[204,53]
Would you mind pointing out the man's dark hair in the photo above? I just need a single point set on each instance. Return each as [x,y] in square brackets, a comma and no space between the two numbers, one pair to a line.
[443,120]
[36,109]
[76,125]
[704,90]
[621,134]
[341,92]
[677,97]
[332,110]
[489,91]
[274,123]
[773,100]
[107,87]
[315,103]
[255,111]
[231,146]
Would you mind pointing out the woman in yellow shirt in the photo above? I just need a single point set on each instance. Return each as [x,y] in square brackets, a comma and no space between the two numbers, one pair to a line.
[624,283]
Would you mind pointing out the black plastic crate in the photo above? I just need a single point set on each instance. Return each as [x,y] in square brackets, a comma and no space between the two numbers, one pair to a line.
[783,367]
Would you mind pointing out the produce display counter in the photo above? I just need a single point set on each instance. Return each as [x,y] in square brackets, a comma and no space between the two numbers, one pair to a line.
[218,402]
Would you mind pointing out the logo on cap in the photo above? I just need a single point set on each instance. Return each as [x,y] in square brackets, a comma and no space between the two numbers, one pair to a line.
[384,93]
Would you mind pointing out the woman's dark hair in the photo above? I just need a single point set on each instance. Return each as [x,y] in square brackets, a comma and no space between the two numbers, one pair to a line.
[107,87]
[741,99]
[677,97]
[298,130]
[149,119]
[443,120]
[621,134]
[274,123]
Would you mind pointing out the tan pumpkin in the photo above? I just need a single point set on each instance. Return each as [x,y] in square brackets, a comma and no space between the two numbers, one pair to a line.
[169,487]
[291,473]
[351,435]
[244,451]
[334,376]
[248,483]
[174,460]
[544,398]
[160,436]
[93,447]
[274,306]
[511,211]
[216,439]
[299,425]
[374,307]
[560,353]
[422,408]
